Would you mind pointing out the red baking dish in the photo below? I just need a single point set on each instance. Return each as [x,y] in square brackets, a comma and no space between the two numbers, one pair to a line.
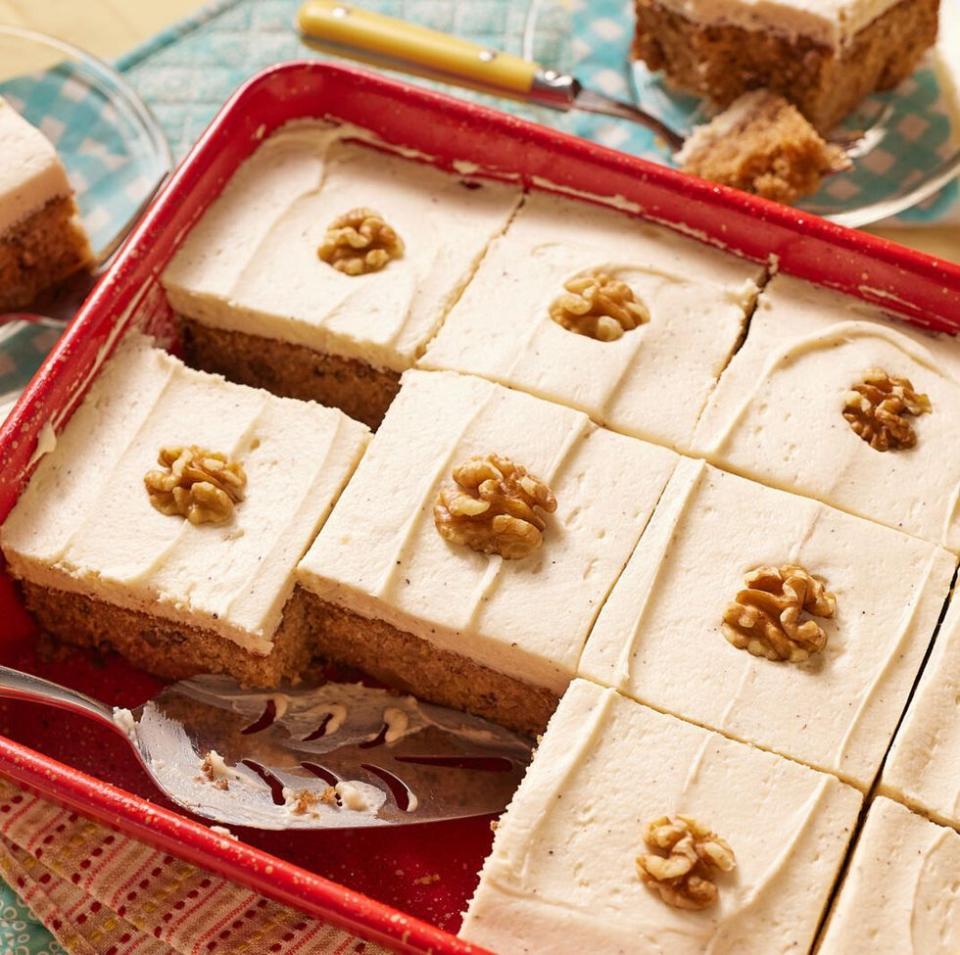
[393,896]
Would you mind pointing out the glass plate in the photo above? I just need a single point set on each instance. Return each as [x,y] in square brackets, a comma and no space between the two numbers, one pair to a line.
[908,151]
[114,151]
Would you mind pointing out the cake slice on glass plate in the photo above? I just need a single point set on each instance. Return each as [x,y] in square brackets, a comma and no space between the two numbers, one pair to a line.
[42,241]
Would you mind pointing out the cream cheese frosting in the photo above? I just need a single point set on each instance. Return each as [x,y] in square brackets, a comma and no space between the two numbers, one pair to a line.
[923,766]
[31,173]
[103,538]
[380,555]
[832,23]
[658,638]
[562,876]
[251,263]
[777,414]
[900,895]
[652,382]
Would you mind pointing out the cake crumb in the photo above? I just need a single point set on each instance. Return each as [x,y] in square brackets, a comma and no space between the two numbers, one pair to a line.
[224,831]
[306,800]
[762,144]
[427,879]
[215,770]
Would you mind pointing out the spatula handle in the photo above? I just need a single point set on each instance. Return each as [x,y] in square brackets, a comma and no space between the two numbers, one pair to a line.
[456,59]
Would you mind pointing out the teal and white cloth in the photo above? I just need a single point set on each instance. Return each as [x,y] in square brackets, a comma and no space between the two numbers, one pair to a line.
[20,932]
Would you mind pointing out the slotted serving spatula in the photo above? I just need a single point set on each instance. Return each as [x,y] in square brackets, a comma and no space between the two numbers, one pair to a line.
[313,756]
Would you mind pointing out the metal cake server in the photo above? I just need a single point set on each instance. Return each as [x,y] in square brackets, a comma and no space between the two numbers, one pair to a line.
[311,756]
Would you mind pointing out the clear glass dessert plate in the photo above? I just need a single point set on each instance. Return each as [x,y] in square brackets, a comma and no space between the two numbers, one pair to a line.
[907,141]
[114,150]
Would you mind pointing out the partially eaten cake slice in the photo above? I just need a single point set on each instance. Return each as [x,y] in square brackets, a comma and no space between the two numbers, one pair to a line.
[170,517]
[41,239]
[824,57]
[762,144]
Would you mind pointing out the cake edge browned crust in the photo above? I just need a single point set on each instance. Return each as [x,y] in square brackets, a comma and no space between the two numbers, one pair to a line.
[411,664]
[290,370]
[723,61]
[162,647]
[40,252]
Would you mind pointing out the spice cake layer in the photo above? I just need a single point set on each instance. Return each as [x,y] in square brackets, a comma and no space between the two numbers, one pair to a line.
[824,57]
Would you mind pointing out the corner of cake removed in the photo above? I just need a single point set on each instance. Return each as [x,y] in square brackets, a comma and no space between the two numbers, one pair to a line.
[762,144]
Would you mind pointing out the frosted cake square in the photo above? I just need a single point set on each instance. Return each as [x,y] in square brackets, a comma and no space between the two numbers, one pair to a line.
[571,868]
[597,310]
[772,618]
[324,267]
[899,895]
[468,557]
[830,398]
[169,519]
[41,239]
[922,768]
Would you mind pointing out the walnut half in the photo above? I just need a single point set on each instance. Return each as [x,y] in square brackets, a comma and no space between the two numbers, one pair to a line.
[202,486]
[494,507]
[360,241]
[599,307]
[877,409]
[765,618]
[685,857]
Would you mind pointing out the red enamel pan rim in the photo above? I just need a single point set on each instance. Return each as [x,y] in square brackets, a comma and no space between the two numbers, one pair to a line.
[924,289]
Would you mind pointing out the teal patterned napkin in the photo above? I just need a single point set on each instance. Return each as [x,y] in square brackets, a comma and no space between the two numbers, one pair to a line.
[20,932]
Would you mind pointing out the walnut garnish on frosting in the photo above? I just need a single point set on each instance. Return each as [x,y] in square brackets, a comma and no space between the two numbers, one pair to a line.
[202,486]
[599,307]
[494,507]
[877,409]
[765,618]
[360,241]
[685,858]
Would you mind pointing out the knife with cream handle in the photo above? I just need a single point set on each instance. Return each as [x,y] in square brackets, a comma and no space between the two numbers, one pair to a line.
[353,31]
